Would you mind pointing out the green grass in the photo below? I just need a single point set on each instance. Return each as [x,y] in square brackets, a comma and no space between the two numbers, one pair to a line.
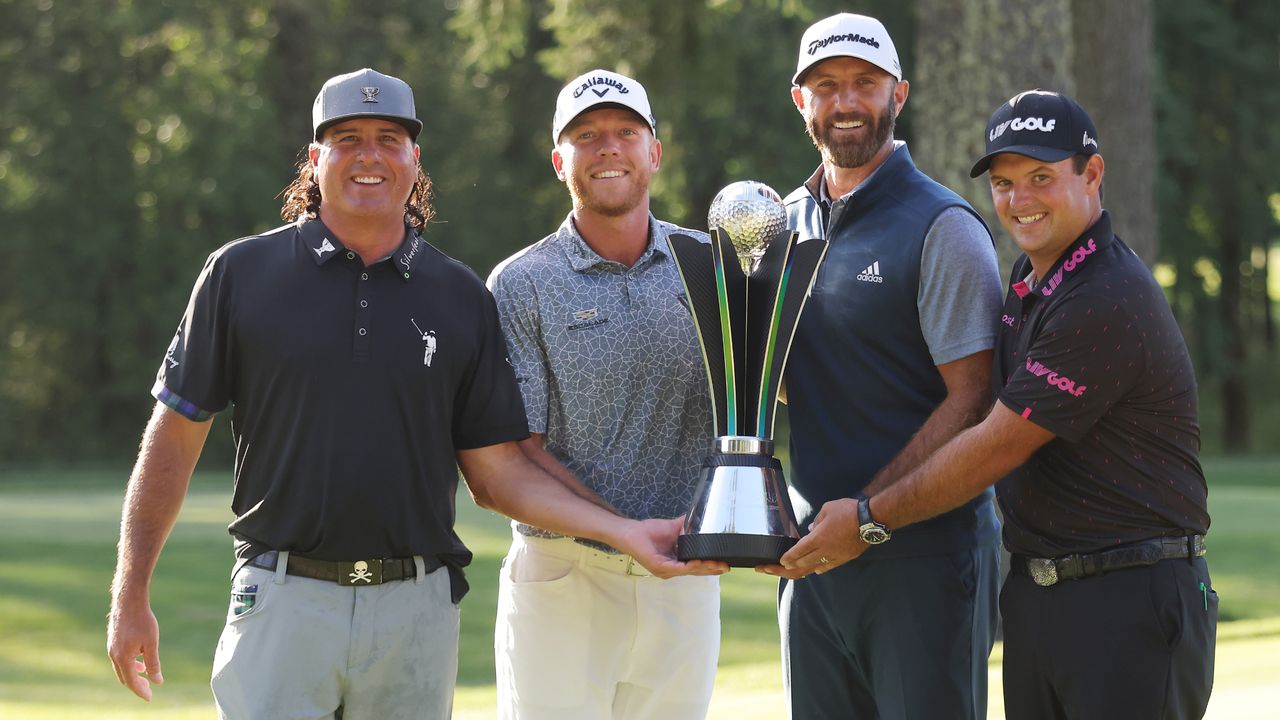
[57,550]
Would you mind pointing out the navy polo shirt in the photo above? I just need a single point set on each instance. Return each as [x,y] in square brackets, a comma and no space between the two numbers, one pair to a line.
[351,389]
[1092,353]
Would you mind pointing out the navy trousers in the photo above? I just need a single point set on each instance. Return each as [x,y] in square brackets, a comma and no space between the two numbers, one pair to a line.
[1134,643]
[891,639]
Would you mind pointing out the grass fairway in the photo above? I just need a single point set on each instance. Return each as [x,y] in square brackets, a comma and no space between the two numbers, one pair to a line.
[57,550]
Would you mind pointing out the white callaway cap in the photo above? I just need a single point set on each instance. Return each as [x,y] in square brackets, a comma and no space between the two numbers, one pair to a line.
[847,35]
[599,88]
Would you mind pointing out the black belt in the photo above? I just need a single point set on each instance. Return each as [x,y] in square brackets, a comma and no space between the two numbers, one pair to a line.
[373,571]
[1050,571]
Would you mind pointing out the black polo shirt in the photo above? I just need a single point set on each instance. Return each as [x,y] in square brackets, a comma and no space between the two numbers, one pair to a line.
[1092,353]
[351,389]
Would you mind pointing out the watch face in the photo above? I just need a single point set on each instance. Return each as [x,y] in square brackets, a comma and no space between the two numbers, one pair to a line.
[873,534]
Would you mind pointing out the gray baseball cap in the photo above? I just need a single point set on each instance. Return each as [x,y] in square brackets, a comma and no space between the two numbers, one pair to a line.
[364,94]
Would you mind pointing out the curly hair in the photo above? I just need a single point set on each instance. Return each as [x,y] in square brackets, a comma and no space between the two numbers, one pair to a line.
[302,197]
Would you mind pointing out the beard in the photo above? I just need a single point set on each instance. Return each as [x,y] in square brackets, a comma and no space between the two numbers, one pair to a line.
[616,205]
[853,153]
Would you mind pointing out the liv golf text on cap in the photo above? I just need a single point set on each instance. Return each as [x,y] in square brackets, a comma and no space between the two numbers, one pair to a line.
[600,88]
[364,94]
[847,35]
[1044,125]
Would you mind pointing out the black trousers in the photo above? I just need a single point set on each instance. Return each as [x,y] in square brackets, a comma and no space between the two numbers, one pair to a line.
[1134,644]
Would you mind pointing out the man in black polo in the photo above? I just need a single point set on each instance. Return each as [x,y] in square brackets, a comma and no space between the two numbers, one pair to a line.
[363,367]
[1109,611]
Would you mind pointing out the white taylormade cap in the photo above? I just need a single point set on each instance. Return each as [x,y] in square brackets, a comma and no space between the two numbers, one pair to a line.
[596,89]
[847,35]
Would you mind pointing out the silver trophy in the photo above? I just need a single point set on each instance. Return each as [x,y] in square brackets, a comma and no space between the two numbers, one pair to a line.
[746,289]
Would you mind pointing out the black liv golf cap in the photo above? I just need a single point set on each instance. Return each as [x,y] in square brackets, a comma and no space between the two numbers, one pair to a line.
[1044,125]
[364,94]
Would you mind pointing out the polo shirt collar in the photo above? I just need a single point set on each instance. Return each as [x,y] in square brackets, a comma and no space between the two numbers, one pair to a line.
[1072,261]
[817,182]
[582,257]
[324,245]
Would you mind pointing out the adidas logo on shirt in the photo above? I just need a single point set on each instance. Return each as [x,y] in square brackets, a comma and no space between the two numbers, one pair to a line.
[872,273]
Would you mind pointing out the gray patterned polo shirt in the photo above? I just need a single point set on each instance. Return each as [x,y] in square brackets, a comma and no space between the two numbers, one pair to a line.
[609,367]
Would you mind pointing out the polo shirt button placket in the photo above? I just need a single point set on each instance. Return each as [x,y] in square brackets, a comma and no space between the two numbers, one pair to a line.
[362,319]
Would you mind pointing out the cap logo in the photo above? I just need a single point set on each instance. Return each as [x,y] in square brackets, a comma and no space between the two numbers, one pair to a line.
[588,85]
[1032,123]
[370,94]
[1087,141]
[817,45]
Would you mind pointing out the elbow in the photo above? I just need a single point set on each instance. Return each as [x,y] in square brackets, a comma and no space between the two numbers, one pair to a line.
[482,498]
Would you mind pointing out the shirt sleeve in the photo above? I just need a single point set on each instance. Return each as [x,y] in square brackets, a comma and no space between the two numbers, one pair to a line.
[489,410]
[194,377]
[959,297]
[1083,360]
[517,302]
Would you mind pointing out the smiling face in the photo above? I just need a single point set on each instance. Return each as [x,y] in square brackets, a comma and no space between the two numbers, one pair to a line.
[1045,206]
[365,168]
[607,157]
[849,107]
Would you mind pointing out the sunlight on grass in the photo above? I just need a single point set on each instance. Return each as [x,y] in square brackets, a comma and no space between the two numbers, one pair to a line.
[57,547]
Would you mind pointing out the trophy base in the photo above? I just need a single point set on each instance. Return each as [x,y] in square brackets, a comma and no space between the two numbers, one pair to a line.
[737,549]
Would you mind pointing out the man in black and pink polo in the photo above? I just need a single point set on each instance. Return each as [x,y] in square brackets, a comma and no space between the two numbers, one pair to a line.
[1109,611]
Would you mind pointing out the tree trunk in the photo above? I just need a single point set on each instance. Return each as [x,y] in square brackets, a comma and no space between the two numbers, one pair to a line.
[970,57]
[1114,57]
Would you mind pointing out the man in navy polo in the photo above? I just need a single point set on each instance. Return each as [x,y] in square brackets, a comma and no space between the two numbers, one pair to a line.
[891,359]
[364,367]
[1109,610]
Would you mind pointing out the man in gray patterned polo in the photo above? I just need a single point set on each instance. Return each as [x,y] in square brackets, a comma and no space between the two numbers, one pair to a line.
[613,383]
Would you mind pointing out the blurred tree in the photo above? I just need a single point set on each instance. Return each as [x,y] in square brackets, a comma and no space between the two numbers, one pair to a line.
[137,137]
[973,56]
[1113,65]
[109,204]
[1219,147]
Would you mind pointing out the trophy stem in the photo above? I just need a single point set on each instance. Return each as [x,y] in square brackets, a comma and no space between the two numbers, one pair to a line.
[726,334]
[765,401]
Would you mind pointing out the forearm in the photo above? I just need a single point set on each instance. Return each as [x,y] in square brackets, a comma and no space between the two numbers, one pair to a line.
[171,445]
[948,421]
[534,448]
[964,467]
[967,402]
[506,480]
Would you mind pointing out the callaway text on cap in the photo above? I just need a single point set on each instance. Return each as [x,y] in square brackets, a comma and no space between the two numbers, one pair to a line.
[600,88]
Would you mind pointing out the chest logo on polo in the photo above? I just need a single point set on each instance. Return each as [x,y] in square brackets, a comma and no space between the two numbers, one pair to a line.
[325,247]
[428,343]
[586,318]
[871,274]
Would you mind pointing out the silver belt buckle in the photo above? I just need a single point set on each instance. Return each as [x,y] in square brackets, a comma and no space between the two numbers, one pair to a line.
[1044,572]
[361,572]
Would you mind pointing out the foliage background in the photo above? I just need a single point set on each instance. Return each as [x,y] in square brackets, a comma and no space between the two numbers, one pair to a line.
[136,137]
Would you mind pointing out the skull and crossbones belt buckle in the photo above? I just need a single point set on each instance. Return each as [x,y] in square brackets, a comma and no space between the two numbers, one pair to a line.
[360,572]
